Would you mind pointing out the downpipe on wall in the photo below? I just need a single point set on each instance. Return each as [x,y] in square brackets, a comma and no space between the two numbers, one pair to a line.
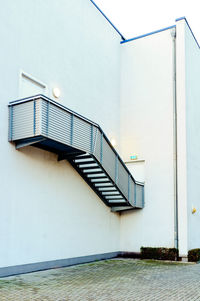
[176,238]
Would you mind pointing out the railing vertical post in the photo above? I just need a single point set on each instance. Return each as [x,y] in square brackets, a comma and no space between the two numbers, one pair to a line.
[72,129]
[101,149]
[116,169]
[135,194]
[10,122]
[47,121]
[34,117]
[142,196]
[91,138]
[129,178]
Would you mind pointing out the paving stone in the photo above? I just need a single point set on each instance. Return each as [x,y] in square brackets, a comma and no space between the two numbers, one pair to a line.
[113,280]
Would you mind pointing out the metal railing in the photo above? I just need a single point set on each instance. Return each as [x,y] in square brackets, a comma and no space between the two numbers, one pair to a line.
[41,116]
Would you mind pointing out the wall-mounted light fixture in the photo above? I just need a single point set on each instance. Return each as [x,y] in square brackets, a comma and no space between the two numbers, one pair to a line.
[56,92]
[113,142]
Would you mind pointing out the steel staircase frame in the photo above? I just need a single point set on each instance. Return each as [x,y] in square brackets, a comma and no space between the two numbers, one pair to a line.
[42,122]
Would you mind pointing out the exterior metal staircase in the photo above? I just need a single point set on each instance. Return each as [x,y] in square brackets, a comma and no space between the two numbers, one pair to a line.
[46,124]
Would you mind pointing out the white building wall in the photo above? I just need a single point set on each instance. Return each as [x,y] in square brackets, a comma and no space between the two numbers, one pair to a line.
[192,59]
[181,139]
[47,211]
[147,131]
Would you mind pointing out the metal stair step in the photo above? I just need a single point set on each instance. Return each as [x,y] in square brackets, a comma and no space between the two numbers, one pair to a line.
[89,166]
[121,208]
[85,160]
[119,197]
[86,155]
[93,172]
[94,177]
[108,190]
[101,185]
[97,177]
[98,181]
[122,201]
[110,193]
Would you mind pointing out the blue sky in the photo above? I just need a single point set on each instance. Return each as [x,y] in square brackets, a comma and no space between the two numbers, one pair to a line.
[134,18]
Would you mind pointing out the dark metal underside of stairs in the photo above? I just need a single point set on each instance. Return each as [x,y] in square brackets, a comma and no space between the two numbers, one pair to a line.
[44,123]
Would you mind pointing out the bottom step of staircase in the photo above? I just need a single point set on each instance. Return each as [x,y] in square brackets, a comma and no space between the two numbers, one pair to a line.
[121,208]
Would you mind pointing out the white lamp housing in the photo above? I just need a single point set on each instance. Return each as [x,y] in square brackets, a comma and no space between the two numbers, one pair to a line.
[56,92]
[113,142]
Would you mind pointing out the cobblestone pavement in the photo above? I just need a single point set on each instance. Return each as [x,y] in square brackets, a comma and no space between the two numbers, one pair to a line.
[113,280]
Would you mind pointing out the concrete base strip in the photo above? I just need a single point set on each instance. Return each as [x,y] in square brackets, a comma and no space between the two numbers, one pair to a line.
[45,265]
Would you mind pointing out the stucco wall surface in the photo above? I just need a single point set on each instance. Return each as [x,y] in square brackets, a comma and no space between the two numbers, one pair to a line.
[192,67]
[147,131]
[47,211]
